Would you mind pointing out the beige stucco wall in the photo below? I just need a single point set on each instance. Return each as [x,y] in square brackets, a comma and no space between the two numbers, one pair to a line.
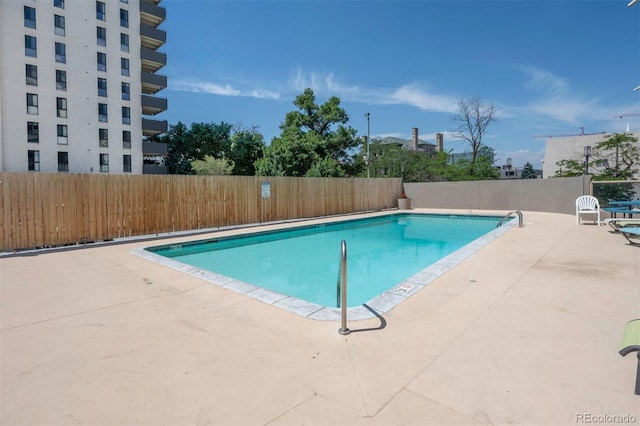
[546,195]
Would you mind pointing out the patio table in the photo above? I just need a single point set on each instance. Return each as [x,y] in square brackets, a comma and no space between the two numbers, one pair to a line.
[626,207]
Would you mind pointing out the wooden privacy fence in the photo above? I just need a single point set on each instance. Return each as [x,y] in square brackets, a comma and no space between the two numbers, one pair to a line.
[44,210]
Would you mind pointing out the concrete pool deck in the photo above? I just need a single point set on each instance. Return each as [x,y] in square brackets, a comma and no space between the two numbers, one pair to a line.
[526,331]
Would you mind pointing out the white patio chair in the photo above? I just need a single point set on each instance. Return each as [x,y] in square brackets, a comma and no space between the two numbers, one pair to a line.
[587,204]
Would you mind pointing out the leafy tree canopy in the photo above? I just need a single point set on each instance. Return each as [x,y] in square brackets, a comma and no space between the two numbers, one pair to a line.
[391,160]
[217,140]
[247,146]
[616,158]
[314,141]
[528,172]
[212,166]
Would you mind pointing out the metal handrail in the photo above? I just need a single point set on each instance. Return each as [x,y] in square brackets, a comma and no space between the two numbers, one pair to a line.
[520,218]
[342,288]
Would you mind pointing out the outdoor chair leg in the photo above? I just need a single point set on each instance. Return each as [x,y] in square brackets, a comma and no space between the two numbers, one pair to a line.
[631,343]
[637,392]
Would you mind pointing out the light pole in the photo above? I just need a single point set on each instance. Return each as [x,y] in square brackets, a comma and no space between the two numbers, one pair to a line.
[368,154]
[587,154]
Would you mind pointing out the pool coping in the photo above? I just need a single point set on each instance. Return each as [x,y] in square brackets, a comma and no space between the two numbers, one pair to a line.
[374,307]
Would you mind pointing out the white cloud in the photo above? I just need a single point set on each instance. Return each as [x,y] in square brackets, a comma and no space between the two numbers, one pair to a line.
[323,83]
[544,81]
[413,94]
[571,111]
[199,86]
[416,95]
[556,100]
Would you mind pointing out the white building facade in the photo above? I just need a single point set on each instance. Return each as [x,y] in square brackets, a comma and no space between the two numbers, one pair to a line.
[73,96]
[571,148]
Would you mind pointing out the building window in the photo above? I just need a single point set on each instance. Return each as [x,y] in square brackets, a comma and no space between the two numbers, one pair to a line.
[126,91]
[63,161]
[124,42]
[33,159]
[58,25]
[32,103]
[29,17]
[126,139]
[101,11]
[31,73]
[30,46]
[61,53]
[62,134]
[33,132]
[61,107]
[102,87]
[61,80]
[103,135]
[124,18]
[102,36]
[104,162]
[126,115]
[126,163]
[59,3]
[102,113]
[124,66]
[102,61]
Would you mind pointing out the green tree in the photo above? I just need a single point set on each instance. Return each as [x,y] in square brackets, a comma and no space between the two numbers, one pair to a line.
[185,145]
[569,168]
[391,160]
[616,158]
[387,160]
[247,147]
[178,159]
[442,169]
[212,139]
[212,166]
[613,191]
[528,172]
[325,167]
[311,138]
[480,169]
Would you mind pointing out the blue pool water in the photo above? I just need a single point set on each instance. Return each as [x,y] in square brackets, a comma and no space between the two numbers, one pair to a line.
[304,262]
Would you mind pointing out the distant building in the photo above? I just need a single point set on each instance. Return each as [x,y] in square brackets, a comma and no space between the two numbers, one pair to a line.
[456,157]
[507,172]
[78,82]
[413,144]
[570,148]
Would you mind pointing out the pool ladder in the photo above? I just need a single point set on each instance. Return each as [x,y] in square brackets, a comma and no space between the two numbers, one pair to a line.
[508,215]
[341,290]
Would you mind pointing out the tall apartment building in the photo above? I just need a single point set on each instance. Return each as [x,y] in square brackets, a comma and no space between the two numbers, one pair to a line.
[77,85]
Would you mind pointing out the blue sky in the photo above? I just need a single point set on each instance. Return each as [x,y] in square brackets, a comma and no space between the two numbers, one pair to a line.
[551,67]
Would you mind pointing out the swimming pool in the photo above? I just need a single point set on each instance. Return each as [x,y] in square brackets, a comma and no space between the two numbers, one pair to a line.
[389,256]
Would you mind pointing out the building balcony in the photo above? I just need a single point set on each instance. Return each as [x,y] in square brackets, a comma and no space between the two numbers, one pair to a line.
[152,127]
[152,60]
[153,149]
[154,169]
[152,83]
[152,105]
[151,37]
[151,13]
